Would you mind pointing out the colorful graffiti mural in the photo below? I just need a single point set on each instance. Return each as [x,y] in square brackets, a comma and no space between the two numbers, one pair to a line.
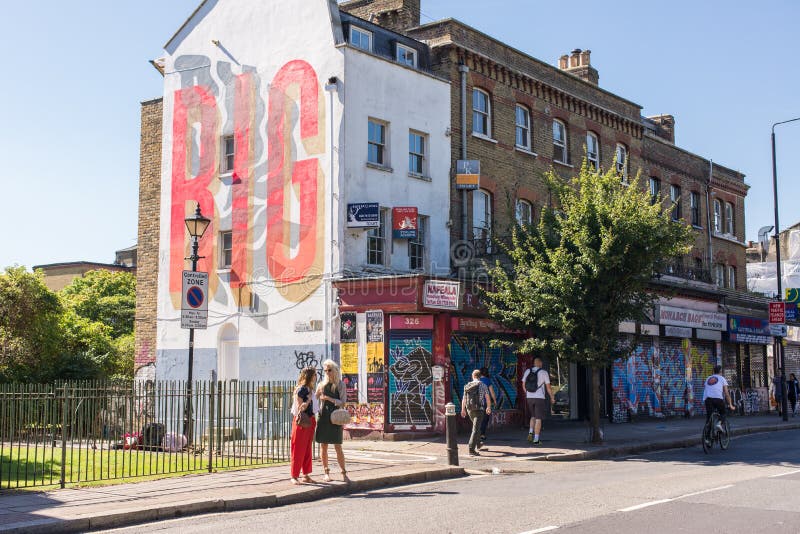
[469,352]
[410,378]
[293,247]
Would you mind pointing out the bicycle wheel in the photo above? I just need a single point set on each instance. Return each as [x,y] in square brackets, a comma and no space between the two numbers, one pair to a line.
[707,438]
[725,436]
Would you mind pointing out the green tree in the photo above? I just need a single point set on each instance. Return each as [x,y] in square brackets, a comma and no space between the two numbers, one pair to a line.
[107,297]
[29,319]
[584,269]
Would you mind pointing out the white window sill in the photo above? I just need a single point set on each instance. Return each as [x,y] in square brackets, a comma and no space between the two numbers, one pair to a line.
[525,151]
[225,174]
[563,164]
[696,227]
[224,270]
[484,137]
[379,167]
[421,177]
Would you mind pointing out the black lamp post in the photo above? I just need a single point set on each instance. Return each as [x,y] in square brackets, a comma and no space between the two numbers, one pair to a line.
[779,341]
[196,224]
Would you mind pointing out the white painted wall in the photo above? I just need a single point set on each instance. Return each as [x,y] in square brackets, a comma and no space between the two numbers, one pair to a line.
[408,100]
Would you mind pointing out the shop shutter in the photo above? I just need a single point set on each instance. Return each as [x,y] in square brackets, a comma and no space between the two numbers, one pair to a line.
[411,378]
[702,359]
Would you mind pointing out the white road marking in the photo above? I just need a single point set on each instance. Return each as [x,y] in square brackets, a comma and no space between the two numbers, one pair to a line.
[704,491]
[644,505]
[784,474]
[662,501]
[538,530]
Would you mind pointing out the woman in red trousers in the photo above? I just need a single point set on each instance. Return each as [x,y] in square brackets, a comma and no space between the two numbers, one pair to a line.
[302,438]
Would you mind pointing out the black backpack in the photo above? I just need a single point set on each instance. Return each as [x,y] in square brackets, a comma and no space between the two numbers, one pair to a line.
[473,393]
[532,381]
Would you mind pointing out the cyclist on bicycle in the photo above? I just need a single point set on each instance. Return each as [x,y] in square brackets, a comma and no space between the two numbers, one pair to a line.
[715,394]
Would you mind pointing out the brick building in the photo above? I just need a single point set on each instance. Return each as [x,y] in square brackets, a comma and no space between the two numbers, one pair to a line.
[520,117]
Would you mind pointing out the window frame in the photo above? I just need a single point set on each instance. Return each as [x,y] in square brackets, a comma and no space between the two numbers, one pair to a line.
[719,275]
[486,115]
[526,127]
[730,220]
[406,49]
[482,234]
[731,276]
[228,159]
[561,144]
[622,168]
[655,192]
[677,212]
[369,35]
[423,160]
[695,209]
[594,162]
[381,147]
[517,212]
[717,219]
[377,236]
[417,249]
[225,253]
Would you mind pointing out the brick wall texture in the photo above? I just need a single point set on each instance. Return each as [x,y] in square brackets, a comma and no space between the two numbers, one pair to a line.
[149,210]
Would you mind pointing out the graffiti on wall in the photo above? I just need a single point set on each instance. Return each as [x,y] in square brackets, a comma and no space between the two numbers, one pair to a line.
[702,362]
[469,352]
[285,195]
[410,379]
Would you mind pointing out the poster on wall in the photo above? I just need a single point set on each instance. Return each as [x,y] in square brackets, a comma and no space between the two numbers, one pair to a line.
[405,222]
[348,353]
[375,357]
[363,215]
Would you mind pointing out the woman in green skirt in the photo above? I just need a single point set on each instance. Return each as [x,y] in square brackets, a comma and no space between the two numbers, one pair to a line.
[332,395]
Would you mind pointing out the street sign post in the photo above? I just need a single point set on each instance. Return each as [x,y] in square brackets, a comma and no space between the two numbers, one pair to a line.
[194,301]
[777,312]
[778,330]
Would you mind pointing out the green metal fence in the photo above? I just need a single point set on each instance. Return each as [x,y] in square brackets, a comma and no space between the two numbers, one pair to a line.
[78,432]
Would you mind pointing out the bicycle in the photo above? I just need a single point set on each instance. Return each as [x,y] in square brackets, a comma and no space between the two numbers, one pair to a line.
[716,430]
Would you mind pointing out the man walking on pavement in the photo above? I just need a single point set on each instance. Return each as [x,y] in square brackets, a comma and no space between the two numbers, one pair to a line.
[476,396]
[536,381]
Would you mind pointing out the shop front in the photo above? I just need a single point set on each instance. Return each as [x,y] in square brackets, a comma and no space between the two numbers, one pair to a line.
[745,361]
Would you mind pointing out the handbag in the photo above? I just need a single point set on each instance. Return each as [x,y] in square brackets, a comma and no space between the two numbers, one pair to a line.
[340,417]
[302,420]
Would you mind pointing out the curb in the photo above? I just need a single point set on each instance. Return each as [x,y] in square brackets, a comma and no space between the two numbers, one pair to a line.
[236,504]
[610,452]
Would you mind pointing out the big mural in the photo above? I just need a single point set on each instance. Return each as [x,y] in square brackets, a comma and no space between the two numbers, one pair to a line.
[268,182]
[411,378]
[470,352]
[661,380]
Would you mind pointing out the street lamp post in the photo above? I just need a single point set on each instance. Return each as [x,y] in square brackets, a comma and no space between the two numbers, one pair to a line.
[196,224]
[779,353]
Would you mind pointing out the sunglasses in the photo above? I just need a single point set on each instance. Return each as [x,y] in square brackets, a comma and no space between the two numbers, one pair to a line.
[328,370]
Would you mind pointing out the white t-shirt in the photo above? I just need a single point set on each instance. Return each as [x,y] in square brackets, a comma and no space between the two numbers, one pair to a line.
[543,378]
[713,387]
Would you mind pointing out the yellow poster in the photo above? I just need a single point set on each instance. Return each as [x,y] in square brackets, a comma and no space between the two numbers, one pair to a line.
[374,357]
[349,355]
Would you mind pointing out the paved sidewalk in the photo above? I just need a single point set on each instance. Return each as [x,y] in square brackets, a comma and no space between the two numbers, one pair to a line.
[371,465]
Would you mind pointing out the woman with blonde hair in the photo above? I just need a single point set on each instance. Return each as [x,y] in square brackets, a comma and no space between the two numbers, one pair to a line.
[302,436]
[332,394]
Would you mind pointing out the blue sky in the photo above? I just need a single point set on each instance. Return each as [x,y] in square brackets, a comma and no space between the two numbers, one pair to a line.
[76,72]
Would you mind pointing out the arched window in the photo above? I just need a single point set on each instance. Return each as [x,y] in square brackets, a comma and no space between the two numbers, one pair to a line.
[524,212]
[593,150]
[560,153]
[621,157]
[730,227]
[717,216]
[481,113]
[523,123]
[482,221]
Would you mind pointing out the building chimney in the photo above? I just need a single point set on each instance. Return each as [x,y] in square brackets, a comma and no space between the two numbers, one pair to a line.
[578,63]
[664,127]
[395,15]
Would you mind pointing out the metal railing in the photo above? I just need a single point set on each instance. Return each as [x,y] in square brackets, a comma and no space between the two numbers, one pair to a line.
[78,432]
[687,271]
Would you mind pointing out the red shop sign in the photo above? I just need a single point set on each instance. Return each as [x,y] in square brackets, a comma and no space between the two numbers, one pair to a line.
[411,322]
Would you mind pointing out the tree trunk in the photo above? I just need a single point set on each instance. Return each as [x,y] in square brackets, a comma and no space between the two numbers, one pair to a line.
[597,436]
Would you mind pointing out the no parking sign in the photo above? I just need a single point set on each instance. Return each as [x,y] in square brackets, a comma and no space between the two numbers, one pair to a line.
[194,303]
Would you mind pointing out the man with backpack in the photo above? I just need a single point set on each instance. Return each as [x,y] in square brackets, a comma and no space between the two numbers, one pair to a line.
[536,381]
[476,403]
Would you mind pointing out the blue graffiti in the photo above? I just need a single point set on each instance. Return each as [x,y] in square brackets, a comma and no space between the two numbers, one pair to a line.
[470,352]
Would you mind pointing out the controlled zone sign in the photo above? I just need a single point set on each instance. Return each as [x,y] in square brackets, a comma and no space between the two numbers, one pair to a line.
[194,300]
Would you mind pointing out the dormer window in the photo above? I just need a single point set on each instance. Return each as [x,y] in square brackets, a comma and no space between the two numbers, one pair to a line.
[406,56]
[361,38]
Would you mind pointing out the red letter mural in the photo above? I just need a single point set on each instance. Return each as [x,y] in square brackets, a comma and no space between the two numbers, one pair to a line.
[296,276]
[242,208]
[193,105]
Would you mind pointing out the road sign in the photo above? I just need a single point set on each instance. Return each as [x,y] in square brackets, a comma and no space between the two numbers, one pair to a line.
[777,312]
[194,302]
[778,330]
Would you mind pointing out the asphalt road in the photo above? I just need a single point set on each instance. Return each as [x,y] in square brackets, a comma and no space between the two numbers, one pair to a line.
[752,487]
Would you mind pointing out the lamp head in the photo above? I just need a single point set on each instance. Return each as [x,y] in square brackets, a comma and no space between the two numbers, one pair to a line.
[197,224]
